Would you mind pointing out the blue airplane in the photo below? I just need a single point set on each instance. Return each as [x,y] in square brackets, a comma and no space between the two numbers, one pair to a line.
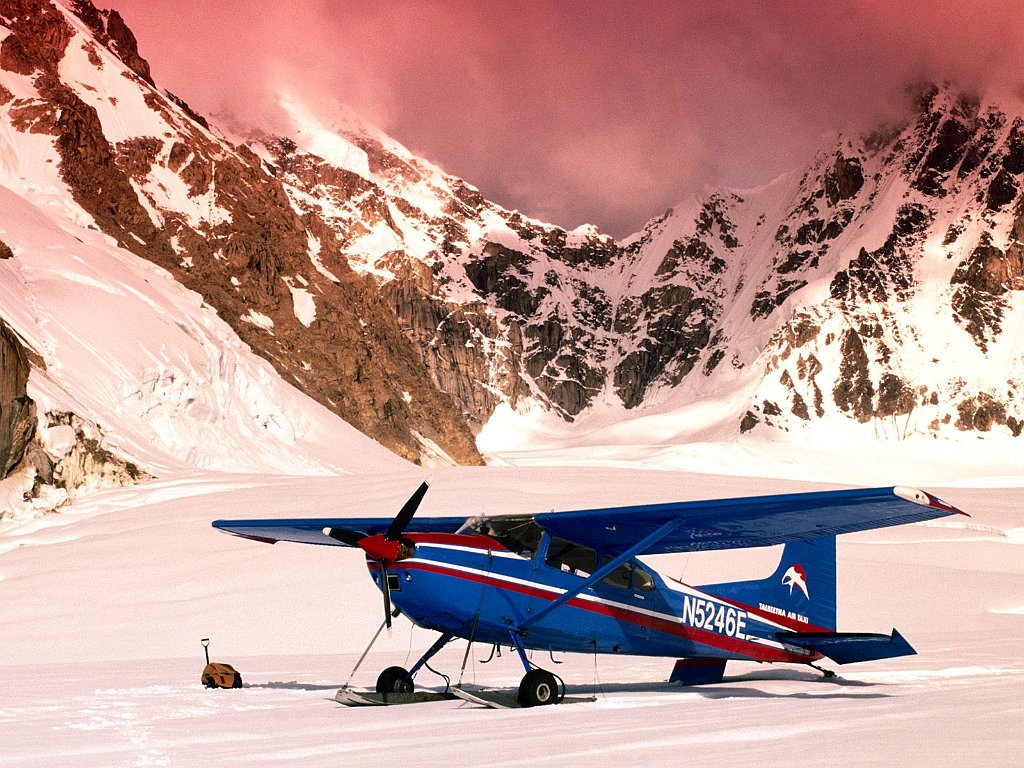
[572,581]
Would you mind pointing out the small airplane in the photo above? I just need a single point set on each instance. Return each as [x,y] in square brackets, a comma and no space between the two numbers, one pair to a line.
[572,581]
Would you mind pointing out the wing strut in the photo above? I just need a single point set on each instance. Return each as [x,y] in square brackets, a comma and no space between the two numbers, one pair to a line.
[603,571]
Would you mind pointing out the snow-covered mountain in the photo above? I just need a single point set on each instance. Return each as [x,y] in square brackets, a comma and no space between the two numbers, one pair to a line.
[876,292]
[82,119]
[878,285]
[113,371]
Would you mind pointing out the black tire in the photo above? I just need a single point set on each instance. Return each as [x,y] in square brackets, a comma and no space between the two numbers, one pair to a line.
[539,687]
[394,680]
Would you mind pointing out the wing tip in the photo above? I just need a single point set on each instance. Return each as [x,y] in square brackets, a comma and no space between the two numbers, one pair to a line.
[224,527]
[925,499]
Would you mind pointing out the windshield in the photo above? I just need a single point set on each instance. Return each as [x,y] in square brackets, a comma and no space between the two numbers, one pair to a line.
[518,533]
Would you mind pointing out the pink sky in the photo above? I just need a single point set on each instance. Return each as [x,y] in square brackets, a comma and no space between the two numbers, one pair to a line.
[573,111]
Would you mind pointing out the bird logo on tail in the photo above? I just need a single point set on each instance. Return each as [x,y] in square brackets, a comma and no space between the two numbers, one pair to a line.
[796,577]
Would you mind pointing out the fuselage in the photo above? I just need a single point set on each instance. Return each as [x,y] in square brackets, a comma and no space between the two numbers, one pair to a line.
[478,587]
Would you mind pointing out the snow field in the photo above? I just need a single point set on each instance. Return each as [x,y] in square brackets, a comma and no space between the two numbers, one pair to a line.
[100,655]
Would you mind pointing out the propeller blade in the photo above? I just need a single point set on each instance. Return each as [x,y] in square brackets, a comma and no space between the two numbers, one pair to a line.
[352,538]
[386,589]
[405,514]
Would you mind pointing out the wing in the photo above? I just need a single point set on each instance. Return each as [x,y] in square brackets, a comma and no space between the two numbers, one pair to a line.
[311,530]
[754,521]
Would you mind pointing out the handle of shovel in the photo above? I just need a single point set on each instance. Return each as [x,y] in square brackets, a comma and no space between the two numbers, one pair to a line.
[206,648]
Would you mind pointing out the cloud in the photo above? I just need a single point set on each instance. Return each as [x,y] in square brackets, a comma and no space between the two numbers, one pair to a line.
[576,111]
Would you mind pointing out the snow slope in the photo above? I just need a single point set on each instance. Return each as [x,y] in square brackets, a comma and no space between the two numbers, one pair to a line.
[100,657]
[128,347]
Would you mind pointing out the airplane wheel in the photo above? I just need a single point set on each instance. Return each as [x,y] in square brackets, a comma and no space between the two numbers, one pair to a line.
[394,680]
[539,687]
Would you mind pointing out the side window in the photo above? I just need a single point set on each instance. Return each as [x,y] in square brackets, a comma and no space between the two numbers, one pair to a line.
[642,580]
[620,577]
[571,558]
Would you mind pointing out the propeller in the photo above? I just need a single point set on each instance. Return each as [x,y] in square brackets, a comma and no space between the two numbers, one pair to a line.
[385,548]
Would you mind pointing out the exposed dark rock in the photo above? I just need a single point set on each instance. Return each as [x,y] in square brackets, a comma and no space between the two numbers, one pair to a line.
[844,180]
[982,412]
[895,396]
[948,149]
[953,232]
[678,324]
[690,250]
[982,281]
[394,354]
[39,36]
[854,392]
[981,144]
[1013,161]
[765,302]
[5,251]
[713,219]
[17,410]
[184,106]
[749,421]
[500,273]
[713,360]
[109,29]
[887,272]
[1001,191]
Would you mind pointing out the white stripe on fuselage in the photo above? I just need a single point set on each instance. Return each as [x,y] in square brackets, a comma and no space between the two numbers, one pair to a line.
[472,550]
[683,589]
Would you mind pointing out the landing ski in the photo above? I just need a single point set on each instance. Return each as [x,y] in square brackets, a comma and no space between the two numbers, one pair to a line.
[492,699]
[506,699]
[353,698]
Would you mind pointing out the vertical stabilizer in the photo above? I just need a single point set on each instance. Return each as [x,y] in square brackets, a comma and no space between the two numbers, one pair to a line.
[803,586]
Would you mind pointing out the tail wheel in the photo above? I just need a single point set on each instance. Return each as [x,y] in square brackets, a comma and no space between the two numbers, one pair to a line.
[394,680]
[539,687]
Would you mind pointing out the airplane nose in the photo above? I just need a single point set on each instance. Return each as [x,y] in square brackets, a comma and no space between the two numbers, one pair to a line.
[386,550]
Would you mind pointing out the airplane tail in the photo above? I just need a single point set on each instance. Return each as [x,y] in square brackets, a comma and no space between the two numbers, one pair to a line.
[803,586]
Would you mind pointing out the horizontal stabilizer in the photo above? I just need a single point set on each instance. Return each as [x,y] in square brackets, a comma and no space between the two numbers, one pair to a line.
[850,647]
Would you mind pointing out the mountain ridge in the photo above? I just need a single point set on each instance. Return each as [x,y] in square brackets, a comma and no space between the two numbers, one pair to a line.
[402,299]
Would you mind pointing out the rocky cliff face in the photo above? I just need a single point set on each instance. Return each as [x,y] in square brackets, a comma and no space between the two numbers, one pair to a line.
[172,192]
[879,285]
[43,465]
[863,288]
[911,335]
[17,411]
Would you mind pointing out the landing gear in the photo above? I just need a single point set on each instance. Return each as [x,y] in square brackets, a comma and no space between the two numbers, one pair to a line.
[828,674]
[395,680]
[539,687]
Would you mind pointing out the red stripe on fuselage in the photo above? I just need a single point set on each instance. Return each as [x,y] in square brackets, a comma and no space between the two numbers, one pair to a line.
[471,541]
[745,648]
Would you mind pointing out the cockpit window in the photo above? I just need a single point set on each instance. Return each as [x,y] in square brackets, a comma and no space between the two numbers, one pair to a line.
[571,558]
[518,533]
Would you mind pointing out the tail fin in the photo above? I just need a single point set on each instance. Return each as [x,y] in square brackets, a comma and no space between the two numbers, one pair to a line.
[803,586]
